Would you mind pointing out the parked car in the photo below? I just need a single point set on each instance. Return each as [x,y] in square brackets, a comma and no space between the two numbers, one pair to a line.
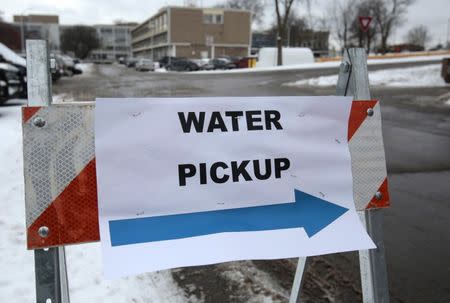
[166,60]
[246,62]
[183,65]
[68,65]
[56,70]
[222,63]
[10,84]
[204,64]
[131,62]
[145,65]
[10,57]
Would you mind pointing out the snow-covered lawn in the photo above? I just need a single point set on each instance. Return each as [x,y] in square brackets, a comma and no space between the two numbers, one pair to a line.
[84,262]
[419,76]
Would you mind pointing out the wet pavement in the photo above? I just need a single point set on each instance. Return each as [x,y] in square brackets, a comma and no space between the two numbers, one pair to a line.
[416,130]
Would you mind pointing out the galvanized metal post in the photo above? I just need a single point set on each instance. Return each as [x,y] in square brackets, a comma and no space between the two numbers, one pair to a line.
[354,81]
[50,264]
[298,280]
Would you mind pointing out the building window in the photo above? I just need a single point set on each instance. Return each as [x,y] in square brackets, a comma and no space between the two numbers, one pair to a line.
[164,21]
[212,19]
[208,18]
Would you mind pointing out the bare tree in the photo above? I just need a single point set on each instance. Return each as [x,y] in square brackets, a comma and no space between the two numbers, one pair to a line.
[191,3]
[388,14]
[295,27]
[256,7]
[342,14]
[418,35]
[79,39]
[282,20]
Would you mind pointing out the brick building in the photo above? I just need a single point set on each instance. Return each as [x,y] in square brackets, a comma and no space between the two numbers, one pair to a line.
[194,33]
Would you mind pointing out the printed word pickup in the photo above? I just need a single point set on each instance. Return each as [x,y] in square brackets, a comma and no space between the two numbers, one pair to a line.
[221,172]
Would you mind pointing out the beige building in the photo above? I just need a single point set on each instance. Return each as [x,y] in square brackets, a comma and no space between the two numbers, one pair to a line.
[193,33]
[115,42]
[39,27]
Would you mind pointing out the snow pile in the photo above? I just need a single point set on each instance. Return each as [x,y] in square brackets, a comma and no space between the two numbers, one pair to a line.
[319,81]
[321,65]
[419,76]
[84,261]
[11,56]
[9,67]
[160,70]
[86,68]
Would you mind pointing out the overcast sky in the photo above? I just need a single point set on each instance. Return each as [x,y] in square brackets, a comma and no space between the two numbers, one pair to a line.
[432,13]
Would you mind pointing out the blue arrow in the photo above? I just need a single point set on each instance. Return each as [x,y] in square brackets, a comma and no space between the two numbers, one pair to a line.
[309,212]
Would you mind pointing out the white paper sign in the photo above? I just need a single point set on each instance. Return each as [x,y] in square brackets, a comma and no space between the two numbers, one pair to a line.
[192,181]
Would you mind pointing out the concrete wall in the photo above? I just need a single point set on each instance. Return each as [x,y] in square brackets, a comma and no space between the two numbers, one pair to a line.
[231,51]
[187,26]
[237,27]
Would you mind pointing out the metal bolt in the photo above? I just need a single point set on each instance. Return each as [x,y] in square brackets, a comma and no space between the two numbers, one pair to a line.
[370,112]
[39,122]
[378,195]
[345,67]
[43,231]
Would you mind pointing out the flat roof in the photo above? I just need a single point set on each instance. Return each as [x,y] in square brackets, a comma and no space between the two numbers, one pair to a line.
[166,8]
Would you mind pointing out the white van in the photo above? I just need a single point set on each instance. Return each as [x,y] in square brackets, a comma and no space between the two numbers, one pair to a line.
[291,55]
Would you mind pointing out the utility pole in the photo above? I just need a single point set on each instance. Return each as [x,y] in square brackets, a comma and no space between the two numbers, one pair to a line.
[289,36]
[448,34]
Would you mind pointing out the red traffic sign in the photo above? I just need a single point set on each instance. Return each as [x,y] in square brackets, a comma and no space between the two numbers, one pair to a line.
[364,22]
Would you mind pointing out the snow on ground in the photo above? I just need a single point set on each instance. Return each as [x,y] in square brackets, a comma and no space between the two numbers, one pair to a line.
[16,262]
[244,272]
[419,76]
[87,68]
[84,261]
[320,65]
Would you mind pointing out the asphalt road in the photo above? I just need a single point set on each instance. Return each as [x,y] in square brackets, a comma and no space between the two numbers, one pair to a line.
[416,130]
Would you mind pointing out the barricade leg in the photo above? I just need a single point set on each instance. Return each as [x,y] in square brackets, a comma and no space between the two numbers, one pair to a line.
[354,81]
[50,264]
